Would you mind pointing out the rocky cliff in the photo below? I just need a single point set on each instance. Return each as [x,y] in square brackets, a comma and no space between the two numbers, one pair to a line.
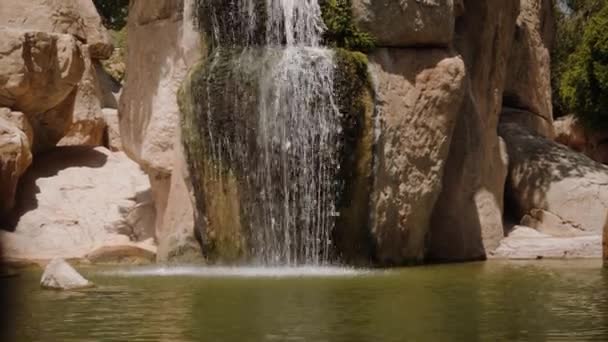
[444,151]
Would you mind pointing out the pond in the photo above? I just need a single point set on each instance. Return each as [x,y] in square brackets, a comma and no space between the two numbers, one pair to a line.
[541,300]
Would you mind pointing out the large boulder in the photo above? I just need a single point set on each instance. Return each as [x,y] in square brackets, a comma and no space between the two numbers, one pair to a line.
[15,155]
[88,125]
[149,114]
[528,243]
[78,18]
[419,93]
[571,132]
[467,220]
[38,70]
[528,85]
[74,200]
[59,275]
[552,188]
[406,23]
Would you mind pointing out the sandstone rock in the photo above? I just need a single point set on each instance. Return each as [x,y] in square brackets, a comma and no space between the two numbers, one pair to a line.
[543,175]
[112,129]
[37,70]
[530,120]
[149,114]
[467,220]
[529,79]
[406,23]
[597,146]
[570,132]
[606,244]
[74,200]
[121,254]
[527,243]
[110,88]
[88,125]
[75,17]
[59,275]
[15,155]
[418,96]
[176,236]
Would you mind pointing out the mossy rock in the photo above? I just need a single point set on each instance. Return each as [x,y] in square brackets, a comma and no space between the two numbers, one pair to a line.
[219,127]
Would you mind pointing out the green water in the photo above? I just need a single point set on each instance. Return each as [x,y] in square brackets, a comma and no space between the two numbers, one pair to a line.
[494,301]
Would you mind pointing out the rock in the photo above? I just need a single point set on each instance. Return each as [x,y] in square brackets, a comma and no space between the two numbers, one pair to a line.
[15,155]
[418,95]
[121,254]
[527,243]
[59,275]
[530,120]
[110,88]
[570,132]
[88,125]
[38,70]
[597,146]
[570,189]
[605,244]
[74,200]
[113,129]
[177,241]
[529,79]
[149,114]
[467,219]
[74,17]
[420,22]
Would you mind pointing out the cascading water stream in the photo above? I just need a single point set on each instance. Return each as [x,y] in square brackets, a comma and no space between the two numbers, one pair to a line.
[288,154]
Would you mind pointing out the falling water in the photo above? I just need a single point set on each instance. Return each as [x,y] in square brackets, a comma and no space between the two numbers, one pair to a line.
[291,163]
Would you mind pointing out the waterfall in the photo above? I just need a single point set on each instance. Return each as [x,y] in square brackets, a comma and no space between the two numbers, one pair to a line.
[281,123]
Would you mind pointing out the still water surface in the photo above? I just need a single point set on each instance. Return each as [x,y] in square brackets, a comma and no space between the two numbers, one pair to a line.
[493,301]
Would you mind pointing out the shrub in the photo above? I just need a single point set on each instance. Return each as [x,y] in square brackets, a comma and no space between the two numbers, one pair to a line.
[584,84]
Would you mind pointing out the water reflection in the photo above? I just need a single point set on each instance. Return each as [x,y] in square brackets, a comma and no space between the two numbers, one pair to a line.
[475,302]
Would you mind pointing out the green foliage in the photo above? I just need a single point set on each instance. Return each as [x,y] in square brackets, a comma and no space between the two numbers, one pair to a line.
[571,18]
[113,12]
[341,30]
[584,84]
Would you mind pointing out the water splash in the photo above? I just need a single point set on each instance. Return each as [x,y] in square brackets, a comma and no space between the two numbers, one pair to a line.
[240,272]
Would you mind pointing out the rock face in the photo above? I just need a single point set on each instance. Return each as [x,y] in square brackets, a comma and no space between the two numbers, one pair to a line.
[49,63]
[77,18]
[15,155]
[571,132]
[606,244]
[406,22]
[88,124]
[467,219]
[74,200]
[38,75]
[552,188]
[418,94]
[528,243]
[528,85]
[59,275]
[149,115]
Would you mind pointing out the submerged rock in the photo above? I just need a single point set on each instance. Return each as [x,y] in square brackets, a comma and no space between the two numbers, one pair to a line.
[59,275]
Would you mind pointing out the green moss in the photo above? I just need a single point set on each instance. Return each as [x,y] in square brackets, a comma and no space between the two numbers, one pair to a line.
[341,30]
[354,92]
[214,182]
